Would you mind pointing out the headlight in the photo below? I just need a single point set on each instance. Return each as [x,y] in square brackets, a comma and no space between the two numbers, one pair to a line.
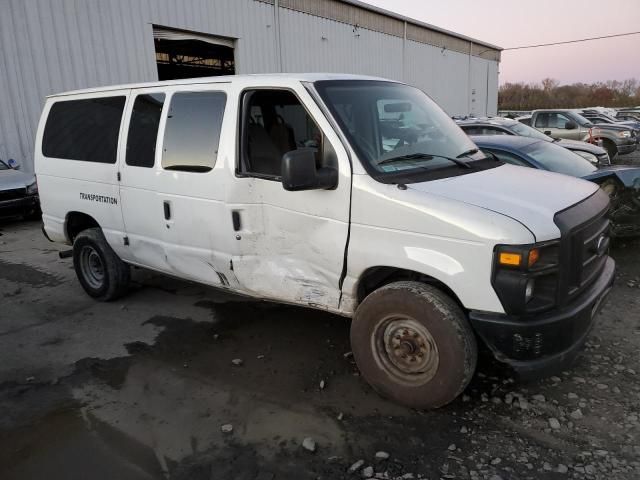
[525,277]
[587,156]
[624,134]
[32,189]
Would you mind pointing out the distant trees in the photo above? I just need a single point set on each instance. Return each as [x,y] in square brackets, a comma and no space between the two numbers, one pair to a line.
[550,94]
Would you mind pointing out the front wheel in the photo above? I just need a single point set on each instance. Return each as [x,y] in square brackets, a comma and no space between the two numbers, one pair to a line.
[100,271]
[413,344]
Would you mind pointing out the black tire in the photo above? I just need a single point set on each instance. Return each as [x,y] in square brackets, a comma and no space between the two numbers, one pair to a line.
[100,271]
[384,329]
[611,148]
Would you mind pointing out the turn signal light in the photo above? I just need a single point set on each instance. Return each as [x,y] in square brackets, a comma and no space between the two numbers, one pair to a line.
[513,259]
[534,256]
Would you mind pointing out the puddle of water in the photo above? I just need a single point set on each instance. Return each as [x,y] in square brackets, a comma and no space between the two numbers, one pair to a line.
[178,415]
[27,275]
[64,446]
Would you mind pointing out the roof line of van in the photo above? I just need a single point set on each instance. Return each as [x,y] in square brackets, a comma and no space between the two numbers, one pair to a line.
[303,77]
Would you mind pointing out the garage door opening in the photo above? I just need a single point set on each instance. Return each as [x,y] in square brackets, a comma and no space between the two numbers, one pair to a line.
[182,54]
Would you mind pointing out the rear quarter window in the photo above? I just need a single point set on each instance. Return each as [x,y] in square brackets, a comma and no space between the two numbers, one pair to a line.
[192,133]
[85,130]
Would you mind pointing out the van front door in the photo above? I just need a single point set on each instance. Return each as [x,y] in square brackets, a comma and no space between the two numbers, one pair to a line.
[289,246]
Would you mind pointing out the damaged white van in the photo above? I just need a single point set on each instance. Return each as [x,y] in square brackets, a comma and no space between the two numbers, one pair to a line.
[354,195]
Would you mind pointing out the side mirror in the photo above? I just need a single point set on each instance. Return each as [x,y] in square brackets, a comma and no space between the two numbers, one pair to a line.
[299,172]
[570,126]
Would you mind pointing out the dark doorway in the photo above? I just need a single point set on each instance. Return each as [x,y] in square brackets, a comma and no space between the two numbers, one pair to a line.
[192,58]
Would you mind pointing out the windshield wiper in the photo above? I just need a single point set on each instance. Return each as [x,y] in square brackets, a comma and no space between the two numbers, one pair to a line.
[424,156]
[471,151]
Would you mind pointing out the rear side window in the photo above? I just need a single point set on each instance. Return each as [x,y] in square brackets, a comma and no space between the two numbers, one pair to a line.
[85,130]
[143,130]
[192,133]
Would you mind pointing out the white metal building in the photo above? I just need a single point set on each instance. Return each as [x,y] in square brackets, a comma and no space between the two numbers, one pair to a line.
[49,46]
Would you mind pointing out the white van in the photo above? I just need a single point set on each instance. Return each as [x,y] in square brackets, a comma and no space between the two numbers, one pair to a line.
[354,195]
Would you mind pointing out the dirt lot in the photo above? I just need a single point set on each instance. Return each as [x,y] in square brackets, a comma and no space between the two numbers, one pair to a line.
[140,388]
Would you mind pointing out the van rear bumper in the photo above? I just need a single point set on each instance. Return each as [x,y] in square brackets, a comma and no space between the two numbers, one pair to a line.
[539,345]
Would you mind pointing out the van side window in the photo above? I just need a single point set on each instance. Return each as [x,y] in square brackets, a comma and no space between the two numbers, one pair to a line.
[85,130]
[192,134]
[143,130]
[274,123]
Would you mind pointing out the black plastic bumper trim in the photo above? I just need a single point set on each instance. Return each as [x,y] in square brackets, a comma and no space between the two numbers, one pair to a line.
[566,330]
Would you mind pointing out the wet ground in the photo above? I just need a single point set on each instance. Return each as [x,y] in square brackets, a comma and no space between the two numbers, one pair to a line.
[140,389]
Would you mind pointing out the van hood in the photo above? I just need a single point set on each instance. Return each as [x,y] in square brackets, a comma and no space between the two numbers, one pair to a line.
[531,197]
[13,179]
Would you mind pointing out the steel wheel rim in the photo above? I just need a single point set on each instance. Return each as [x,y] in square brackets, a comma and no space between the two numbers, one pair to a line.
[92,267]
[405,349]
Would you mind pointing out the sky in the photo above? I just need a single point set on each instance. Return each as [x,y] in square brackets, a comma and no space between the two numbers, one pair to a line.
[514,23]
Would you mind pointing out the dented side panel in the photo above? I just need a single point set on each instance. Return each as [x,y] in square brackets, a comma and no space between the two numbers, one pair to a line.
[290,245]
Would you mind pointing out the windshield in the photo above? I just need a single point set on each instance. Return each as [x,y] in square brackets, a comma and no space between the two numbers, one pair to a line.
[396,128]
[527,131]
[559,159]
[3,166]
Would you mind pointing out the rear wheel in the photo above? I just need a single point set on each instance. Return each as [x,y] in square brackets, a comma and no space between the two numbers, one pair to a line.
[413,344]
[100,271]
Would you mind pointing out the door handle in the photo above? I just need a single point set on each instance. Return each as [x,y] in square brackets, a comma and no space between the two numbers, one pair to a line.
[235,218]
[167,210]
[547,132]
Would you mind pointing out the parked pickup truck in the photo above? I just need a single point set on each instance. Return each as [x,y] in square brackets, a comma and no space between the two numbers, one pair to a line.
[353,195]
[568,124]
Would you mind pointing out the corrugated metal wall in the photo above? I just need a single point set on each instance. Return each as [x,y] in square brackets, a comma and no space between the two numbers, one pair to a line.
[49,46]
[313,44]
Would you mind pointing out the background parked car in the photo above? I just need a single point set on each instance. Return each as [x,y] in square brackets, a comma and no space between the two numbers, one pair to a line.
[568,124]
[628,115]
[599,118]
[505,126]
[18,192]
[622,183]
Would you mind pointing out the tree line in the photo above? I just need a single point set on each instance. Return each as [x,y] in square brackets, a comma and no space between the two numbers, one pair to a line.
[550,94]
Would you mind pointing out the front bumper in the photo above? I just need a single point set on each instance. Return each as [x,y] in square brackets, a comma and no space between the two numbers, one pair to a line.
[624,149]
[541,344]
[19,206]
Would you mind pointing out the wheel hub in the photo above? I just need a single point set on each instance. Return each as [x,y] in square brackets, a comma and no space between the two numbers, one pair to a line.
[407,350]
[92,266]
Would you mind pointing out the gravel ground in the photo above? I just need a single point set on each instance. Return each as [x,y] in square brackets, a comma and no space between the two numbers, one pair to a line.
[180,381]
